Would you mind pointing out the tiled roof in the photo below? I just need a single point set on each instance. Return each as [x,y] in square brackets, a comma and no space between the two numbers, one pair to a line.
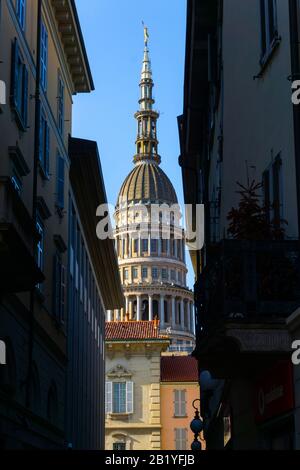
[132,330]
[179,369]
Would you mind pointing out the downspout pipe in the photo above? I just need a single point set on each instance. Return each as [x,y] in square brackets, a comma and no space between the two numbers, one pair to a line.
[37,124]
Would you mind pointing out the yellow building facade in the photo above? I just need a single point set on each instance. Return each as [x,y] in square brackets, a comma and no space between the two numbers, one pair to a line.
[133,399]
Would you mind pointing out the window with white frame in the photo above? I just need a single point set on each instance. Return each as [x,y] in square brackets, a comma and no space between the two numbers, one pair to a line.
[269,30]
[119,397]
[179,403]
[181,436]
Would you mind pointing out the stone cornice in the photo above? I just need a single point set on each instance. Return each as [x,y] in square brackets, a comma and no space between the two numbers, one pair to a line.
[74,48]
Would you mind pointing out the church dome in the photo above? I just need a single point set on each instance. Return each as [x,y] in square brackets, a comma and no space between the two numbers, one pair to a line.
[147,183]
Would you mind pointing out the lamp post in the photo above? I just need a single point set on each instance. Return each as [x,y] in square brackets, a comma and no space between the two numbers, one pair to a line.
[196,427]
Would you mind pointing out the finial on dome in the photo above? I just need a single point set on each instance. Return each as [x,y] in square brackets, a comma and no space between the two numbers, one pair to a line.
[146,34]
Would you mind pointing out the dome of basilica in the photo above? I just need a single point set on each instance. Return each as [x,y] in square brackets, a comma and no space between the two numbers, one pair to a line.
[147,183]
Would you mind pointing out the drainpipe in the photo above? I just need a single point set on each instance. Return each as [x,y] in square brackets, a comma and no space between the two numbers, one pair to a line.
[37,97]
[295,75]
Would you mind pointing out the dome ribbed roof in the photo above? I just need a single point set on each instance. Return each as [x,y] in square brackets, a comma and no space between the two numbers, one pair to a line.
[146,183]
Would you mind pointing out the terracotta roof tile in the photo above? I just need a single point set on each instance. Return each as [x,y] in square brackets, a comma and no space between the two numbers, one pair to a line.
[132,330]
[179,369]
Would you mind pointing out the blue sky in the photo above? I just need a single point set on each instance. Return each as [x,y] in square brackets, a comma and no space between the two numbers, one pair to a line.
[113,35]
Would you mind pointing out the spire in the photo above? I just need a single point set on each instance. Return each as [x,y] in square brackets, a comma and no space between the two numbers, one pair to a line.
[146,117]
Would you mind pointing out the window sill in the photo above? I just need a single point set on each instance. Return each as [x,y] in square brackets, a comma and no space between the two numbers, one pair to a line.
[180,417]
[119,416]
[266,59]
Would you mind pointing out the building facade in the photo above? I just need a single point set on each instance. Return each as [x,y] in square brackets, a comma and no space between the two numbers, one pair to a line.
[179,390]
[238,99]
[133,399]
[149,237]
[43,64]
[93,288]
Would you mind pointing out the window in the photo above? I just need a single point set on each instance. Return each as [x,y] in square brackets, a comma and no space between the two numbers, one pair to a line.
[126,274]
[135,273]
[269,32]
[59,288]
[181,439]
[40,246]
[154,245]
[164,274]
[145,245]
[154,273]
[135,245]
[119,446]
[21,12]
[60,182]
[16,180]
[179,277]
[19,87]
[44,145]
[144,273]
[44,56]
[119,397]
[61,105]
[173,275]
[179,403]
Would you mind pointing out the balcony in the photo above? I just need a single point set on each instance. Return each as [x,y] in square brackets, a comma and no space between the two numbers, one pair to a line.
[18,270]
[246,292]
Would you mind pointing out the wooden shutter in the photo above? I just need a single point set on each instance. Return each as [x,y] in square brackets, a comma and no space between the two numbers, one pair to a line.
[47,148]
[263,27]
[176,402]
[25,97]
[14,73]
[60,182]
[108,397]
[182,403]
[129,397]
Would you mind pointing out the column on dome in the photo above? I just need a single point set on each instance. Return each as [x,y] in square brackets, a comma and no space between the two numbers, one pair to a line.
[162,311]
[150,307]
[109,315]
[189,310]
[127,304]
[173,313]
[193,326]
[138,307]
[182,313]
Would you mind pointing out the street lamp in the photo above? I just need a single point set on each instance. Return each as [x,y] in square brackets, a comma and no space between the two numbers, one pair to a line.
[196,427]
